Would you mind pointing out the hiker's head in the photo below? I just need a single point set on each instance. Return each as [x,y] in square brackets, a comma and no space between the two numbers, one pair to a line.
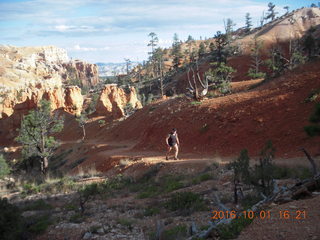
[174,130]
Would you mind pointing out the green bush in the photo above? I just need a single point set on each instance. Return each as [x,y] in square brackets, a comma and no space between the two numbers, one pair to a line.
[30,188]
[11,221]
[150,211]
[40,224]
[186,202]
[4,167]
[37,205]
[232,230]
[176,233]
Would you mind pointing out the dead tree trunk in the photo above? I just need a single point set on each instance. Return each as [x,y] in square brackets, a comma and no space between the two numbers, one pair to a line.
[312,162]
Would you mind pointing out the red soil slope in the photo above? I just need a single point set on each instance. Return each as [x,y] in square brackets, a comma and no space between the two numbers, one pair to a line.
[275,111]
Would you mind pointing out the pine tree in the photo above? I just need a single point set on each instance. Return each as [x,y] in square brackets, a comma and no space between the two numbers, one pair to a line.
[248,22]
[221,42]
[286,8]
[220,77]
[153,42]
[271,11]
[176,51]
[202,50]
[229,28]
[256,61]
[36,133]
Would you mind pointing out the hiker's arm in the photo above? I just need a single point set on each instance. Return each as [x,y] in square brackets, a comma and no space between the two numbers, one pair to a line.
[178,142]
[167,140]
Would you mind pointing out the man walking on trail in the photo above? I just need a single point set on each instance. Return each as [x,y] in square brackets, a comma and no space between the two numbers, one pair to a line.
[172,141]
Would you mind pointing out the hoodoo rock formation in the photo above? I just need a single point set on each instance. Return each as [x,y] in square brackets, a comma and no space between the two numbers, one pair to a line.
[113,100]
[73,100]
[29,74]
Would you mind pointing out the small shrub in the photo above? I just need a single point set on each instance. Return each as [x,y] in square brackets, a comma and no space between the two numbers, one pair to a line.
[4,167]
[11,221]
[313,96]
[77,218]
[150,211]
[101,123]
[31,188]
[249,200]
[176,233]
[195,103]
[233,229]
[37,205]
[40,225]
[126,223]
[295,172]
[201,178]
[204,128]
[186,202]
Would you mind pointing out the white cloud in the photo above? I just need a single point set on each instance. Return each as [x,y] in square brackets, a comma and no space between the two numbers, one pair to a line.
[77,47]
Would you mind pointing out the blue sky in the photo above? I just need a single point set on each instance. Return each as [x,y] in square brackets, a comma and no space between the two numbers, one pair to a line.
[111,30]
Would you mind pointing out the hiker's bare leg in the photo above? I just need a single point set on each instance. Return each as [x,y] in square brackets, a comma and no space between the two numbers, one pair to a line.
[168,152]
[176,151]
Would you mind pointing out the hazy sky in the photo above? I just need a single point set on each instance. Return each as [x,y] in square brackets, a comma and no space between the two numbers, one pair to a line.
[111,30]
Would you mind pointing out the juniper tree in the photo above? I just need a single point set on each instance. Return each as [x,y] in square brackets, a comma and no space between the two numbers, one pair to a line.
[286,8]
[36,134]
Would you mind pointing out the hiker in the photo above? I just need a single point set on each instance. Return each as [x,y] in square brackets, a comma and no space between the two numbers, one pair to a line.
[172,141]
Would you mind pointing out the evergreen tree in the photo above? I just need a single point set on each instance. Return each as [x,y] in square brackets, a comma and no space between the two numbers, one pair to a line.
[202,50]
[153,42]
[220,77]
[276,63]
[36,133]
[309,42]
[221,42]
[128,65]
[248,22]
[229,28]
[286,8]
[256,61]
[190,39]
[262,175]
[271,12]
[176,51]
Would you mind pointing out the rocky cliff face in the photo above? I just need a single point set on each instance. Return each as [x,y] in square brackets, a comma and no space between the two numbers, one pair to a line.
[69,100]
[29,74]
[73,100]
[113,100]
[23,67]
